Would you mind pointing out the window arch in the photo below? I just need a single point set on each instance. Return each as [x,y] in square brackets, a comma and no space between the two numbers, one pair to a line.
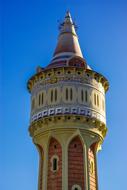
[82,95]
[42,98]
[51,95]
[66,93]
[39,100]
[55,94]
[54,164]
[86,96]
[71,94]
[76,187]
[95,99]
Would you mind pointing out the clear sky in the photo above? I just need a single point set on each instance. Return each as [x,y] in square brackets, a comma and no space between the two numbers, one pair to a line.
[29,35]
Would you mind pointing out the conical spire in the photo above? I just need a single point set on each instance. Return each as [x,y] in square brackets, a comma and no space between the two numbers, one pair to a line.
[68,41]
[68,47]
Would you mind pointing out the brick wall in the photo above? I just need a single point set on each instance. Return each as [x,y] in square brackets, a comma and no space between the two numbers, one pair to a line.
[75,164]
[54,178]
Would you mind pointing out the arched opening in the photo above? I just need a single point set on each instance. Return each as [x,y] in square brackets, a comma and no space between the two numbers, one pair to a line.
[82,95]
[75,164]
[51,95]
[39,99]
[94,99]
[42,98]
[54,165]
[66,93]
[71,94]
[86,96]
[97,100]
[55,95]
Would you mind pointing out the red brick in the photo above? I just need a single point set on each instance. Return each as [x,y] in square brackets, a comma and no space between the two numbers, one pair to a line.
[75,164]
[54,181]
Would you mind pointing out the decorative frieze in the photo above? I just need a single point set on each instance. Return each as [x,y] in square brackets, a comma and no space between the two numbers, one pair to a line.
[68,110]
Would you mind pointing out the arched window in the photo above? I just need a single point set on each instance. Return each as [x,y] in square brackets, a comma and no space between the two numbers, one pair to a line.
[39,99]
[86,96]
[82,95]
[66,93]
[55,94]
[54,163]
[94,98]
[42,98]
[71,94]
[97,100]
[51,95]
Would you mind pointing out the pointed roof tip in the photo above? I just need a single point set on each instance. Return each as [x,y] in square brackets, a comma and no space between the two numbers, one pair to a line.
[68,39]
[68,17]
[68,14]
[68,45]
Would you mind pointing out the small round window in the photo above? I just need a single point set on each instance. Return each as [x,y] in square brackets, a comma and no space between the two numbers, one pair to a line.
[76,187]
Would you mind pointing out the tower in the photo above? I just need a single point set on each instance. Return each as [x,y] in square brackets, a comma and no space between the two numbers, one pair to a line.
[67,122]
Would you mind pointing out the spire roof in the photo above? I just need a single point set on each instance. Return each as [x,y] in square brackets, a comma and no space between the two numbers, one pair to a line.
[67,40]
[68,45]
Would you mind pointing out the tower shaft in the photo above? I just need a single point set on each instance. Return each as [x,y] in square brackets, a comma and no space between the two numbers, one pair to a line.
[67,122]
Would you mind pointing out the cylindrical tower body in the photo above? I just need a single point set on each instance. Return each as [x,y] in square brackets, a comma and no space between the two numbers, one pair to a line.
[67,122]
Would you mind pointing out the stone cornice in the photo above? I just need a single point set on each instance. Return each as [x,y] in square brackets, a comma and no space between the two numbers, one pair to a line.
[54,75]
[68,122]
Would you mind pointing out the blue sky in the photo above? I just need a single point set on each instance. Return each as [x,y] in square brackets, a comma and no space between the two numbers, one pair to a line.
[29,35]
